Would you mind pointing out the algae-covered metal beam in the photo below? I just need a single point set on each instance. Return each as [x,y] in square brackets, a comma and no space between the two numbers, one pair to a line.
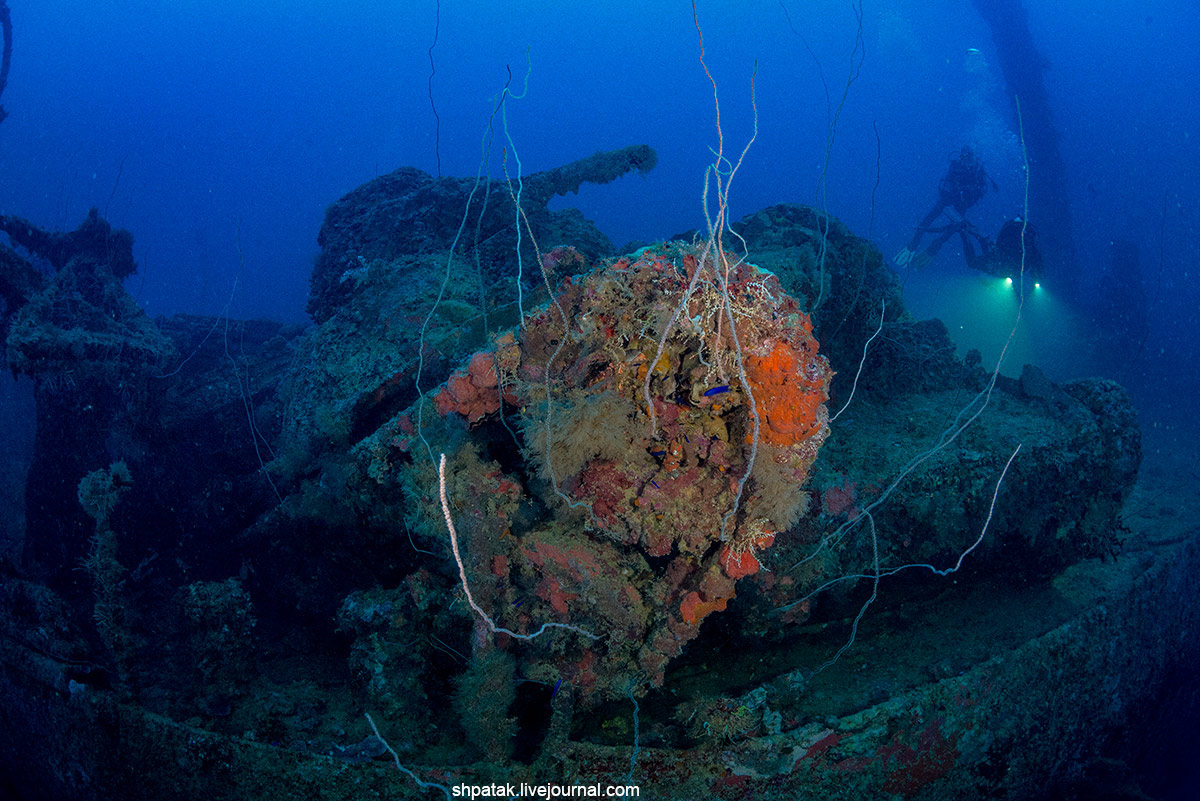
[95,241]
[408,212]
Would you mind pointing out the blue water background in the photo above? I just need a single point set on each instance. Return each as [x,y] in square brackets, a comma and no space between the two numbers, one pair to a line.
[204,125]
[209,128]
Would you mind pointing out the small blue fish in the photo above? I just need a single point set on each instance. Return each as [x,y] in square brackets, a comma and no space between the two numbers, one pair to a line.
[655,483]
[557,684]
[708,393]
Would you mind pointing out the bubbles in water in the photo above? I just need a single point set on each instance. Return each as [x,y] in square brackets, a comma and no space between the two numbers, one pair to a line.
[973,61]
[984,105]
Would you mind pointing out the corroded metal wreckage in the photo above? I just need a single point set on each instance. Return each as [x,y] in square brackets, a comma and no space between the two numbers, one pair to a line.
[641,465]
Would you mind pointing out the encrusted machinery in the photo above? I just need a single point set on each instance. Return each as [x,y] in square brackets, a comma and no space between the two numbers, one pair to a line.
[629,526]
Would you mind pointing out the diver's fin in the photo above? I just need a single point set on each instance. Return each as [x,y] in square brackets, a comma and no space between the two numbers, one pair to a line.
[920,261]
[903,257]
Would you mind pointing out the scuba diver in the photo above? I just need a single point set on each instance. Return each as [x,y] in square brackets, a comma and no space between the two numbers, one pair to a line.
[964,183]
[1014,247]
[1014,250]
